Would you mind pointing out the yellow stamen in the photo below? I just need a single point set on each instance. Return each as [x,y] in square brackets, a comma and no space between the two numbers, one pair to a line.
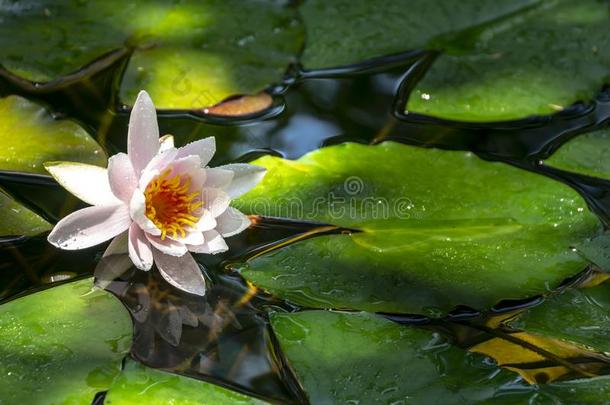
[170,206]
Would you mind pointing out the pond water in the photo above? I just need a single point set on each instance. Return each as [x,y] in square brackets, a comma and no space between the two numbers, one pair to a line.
[228,338]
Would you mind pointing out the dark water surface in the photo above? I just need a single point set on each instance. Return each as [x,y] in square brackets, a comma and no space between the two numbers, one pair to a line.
[226,338]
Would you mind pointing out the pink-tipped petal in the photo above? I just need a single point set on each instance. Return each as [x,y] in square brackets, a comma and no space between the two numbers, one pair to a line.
[143,134]
[181,272]
[137,210]
[214,244]
[139,248]
[206,222]
[231,222]
[246,178]
[218,178]
[190,166]
[122,177]
[215,200]
[204,148]
[87,182]
[90,226]
[168,246]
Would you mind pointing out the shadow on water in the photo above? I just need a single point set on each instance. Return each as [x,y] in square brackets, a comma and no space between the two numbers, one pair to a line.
[226,338]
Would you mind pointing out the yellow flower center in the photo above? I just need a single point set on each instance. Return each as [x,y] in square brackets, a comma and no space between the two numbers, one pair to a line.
[170,206]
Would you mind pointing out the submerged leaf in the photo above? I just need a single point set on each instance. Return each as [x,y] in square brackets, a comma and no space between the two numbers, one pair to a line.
[450,229]
[62,345]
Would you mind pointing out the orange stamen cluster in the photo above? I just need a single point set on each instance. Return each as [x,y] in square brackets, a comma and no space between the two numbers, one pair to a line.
[170,206]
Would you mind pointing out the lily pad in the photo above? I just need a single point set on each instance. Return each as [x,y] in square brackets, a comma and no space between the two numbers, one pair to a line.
[341,357]
[586,154]
[142,385]
[62,345]
[345,32]
[15,219]
[535,62]
[29,136]
[436,229]
[188,54]
[577,315]
[499,60]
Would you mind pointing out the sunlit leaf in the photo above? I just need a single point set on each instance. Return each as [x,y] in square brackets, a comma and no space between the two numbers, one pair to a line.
[141,385]
[62,345]
[188,55]
[29,136]
[438,229]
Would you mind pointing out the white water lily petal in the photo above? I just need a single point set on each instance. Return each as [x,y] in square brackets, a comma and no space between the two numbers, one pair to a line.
[156,166]
[214,244]
[143,133]
[139,248]
[114,263]
[206,222]
[218,178]
[191,238]
[181,272]
[121,176]
[246,178]
[90,226]
[231,222]
[189,165]
[87,182]
[137,210]
[168,246]
[166,142]
[215,200]
[204,148]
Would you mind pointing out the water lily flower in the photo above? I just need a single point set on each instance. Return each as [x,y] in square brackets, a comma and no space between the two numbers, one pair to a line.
[158,202]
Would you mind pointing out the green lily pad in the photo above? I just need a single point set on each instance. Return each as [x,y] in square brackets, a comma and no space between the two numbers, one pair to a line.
[577,315]
[586,154]
[534,63]
[29,136]
[61,345]
[439,228]
[344,32]
[142,385]
[188,55]
[358,357]
[500,60]
[15,219]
